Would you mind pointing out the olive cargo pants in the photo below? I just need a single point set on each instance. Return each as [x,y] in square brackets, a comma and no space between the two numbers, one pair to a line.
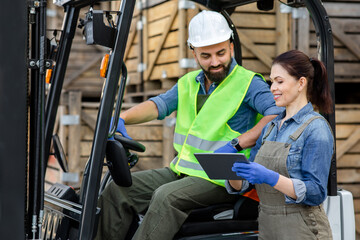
[166,197]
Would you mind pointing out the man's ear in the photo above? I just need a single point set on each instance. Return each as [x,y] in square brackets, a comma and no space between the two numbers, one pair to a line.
[232,49]
[194,54]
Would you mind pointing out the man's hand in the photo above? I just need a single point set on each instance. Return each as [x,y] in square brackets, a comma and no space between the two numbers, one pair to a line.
[121,127]
[227,148]
[256,173]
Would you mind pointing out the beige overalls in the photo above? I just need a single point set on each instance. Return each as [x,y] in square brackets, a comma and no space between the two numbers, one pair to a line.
[278,220]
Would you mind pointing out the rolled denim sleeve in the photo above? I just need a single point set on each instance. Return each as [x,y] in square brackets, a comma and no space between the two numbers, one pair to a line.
[245,187]
[260,98]
[300,191]
[166,102]
[315,164]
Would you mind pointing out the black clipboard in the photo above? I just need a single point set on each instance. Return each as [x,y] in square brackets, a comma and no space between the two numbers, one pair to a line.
[218,165]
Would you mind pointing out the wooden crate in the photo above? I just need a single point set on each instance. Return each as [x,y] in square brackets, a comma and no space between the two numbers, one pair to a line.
[345,25]
[348,152]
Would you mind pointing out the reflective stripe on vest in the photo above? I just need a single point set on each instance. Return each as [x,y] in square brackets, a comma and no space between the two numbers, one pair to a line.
[207,130]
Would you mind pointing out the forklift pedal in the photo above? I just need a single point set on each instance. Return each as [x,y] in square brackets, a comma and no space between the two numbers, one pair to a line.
[63,192]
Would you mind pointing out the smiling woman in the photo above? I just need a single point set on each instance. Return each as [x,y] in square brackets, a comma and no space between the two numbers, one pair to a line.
[289,166]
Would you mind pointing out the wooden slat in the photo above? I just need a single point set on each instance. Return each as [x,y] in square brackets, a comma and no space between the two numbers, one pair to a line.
[254,20]
[344,116]
[344,130]
[161,11]
[357,223]
[348,41]
[342,9]
[171,70]
[348,175]
[266,36]
[349,160]
[354,150]
[349,143]
[282,30]
[74,131]
[256,66]
[166,56]
[159,27]
[140,133]
[247,42]
[165,31]
[171,41]
[269,50]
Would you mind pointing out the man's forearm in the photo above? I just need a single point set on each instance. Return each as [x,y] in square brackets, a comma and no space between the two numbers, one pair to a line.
[248,139]
[143,112]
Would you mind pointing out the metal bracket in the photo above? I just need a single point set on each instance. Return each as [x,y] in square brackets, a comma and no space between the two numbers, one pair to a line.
[187,63]
[37,3]
[35,63]
[141,67]
[60,2]
[70,120]
[186,4]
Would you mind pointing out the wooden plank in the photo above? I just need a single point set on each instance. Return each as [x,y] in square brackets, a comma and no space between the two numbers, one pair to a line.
[165,70]
[282,30]
[348,144]
[256,66]
[74,131]
[345,130]
[357,205]
[354,150]
[247,42]
[348,175]
[259,36]
[171,41]
[304,33]
[161,11]
[348,160]
[159,27]
[169,55]
[182,50]
[166,29]
[140,133]
[254,20]
[344,116]
[89,119]
[347,40]
[342,9]
[96,59]
[340,54]
[269,50]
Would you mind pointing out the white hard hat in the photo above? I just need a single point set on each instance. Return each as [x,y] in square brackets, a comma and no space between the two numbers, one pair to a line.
[208,28]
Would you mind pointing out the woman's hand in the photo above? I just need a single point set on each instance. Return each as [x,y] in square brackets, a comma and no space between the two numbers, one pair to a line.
[256,173]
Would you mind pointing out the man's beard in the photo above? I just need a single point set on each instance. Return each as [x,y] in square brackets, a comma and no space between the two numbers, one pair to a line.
[218,76]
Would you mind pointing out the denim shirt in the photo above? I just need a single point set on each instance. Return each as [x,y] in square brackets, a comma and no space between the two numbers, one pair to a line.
[258,99]
[309,159]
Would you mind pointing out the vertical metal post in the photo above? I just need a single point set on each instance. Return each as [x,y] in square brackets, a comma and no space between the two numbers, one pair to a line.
[324,33]
[96,160]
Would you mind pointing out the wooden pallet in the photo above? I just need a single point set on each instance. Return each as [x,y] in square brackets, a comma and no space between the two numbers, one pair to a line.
[348,152]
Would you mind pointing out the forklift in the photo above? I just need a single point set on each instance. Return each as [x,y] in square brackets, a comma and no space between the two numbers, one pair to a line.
[62,213]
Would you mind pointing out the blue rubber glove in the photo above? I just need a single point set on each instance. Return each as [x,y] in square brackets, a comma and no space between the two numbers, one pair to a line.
[255,173]
[227,148]
[120,128]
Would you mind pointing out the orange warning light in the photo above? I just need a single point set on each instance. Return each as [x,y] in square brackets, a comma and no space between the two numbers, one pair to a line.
[104,65]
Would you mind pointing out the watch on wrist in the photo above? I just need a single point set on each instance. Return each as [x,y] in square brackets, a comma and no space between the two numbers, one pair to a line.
[235,144]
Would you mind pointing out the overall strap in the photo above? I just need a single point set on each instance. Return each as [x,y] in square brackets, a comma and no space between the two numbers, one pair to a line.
[301,129]
[271,127]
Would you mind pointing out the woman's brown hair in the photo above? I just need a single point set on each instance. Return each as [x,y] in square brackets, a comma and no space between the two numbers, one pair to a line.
[298,65]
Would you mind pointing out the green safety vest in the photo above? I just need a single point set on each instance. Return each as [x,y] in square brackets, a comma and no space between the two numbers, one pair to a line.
[208,129]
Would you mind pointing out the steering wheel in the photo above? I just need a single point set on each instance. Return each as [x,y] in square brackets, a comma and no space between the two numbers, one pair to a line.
[129,143]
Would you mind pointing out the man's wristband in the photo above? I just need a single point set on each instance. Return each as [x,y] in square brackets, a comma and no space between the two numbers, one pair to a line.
[235,144]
